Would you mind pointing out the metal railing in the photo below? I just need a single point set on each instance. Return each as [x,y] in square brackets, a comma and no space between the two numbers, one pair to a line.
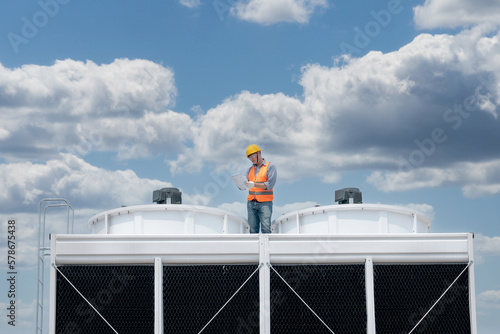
[44,250]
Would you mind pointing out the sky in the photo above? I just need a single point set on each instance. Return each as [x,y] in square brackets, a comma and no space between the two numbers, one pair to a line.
[103,102]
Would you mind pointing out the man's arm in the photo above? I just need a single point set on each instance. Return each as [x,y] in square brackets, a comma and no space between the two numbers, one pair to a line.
[272,175]
[261,185]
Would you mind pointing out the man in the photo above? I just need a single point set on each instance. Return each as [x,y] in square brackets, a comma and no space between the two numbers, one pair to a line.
[261,180]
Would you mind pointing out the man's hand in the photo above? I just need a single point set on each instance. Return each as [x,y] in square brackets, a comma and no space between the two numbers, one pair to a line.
[250,184]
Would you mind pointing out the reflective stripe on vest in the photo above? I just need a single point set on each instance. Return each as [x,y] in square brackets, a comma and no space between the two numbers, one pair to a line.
[260,195]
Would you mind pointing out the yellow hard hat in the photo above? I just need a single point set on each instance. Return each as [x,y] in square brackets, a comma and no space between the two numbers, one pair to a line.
[251,149]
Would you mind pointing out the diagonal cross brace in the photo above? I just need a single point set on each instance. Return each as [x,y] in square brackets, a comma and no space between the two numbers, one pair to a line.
[234,294]
[302,300]
[67,280]
[444,293]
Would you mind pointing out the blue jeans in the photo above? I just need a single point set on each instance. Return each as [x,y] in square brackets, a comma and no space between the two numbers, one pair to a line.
[259,216]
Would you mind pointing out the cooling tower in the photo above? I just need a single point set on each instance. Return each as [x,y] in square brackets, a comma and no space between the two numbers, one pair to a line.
[175,268]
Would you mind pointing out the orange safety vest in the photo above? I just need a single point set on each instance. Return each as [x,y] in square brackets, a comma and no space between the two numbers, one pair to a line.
[261,195]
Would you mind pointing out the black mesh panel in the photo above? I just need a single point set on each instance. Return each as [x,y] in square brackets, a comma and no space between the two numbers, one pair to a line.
[336,293]
[404,293]
[124,295]
[192,295]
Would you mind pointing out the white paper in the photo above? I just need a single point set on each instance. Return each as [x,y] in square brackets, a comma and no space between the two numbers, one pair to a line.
[239,180]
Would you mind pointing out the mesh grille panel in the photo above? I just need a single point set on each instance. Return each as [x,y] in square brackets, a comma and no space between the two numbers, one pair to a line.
[124,295]
[404,293]
[192,295]
[336,293]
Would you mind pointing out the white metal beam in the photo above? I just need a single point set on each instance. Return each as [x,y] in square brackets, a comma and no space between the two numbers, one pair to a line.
[265,286]
[158,296]
[472,286]
[370,297]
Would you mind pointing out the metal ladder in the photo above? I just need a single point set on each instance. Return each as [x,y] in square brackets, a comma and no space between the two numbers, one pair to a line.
[44,250]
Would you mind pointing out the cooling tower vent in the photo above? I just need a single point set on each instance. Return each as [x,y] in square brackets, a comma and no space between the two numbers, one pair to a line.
[348,196]
[167,196]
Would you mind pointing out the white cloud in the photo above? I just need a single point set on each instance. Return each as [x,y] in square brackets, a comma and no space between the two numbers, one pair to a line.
[332,177]
[69,177]
[24,316]
[426,209]
[422,106]
[418,178]
[433,105]
[86,187]
[70,88]
[269,12]
[151,134]
[238,208]
[477,178]
[225,131]
[81,107]
[486,246]
[288,208]
[489,300]
[456,13]
[4,133]
[190,3]
[481,190]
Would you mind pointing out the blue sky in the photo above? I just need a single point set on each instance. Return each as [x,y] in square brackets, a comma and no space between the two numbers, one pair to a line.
[103,102]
